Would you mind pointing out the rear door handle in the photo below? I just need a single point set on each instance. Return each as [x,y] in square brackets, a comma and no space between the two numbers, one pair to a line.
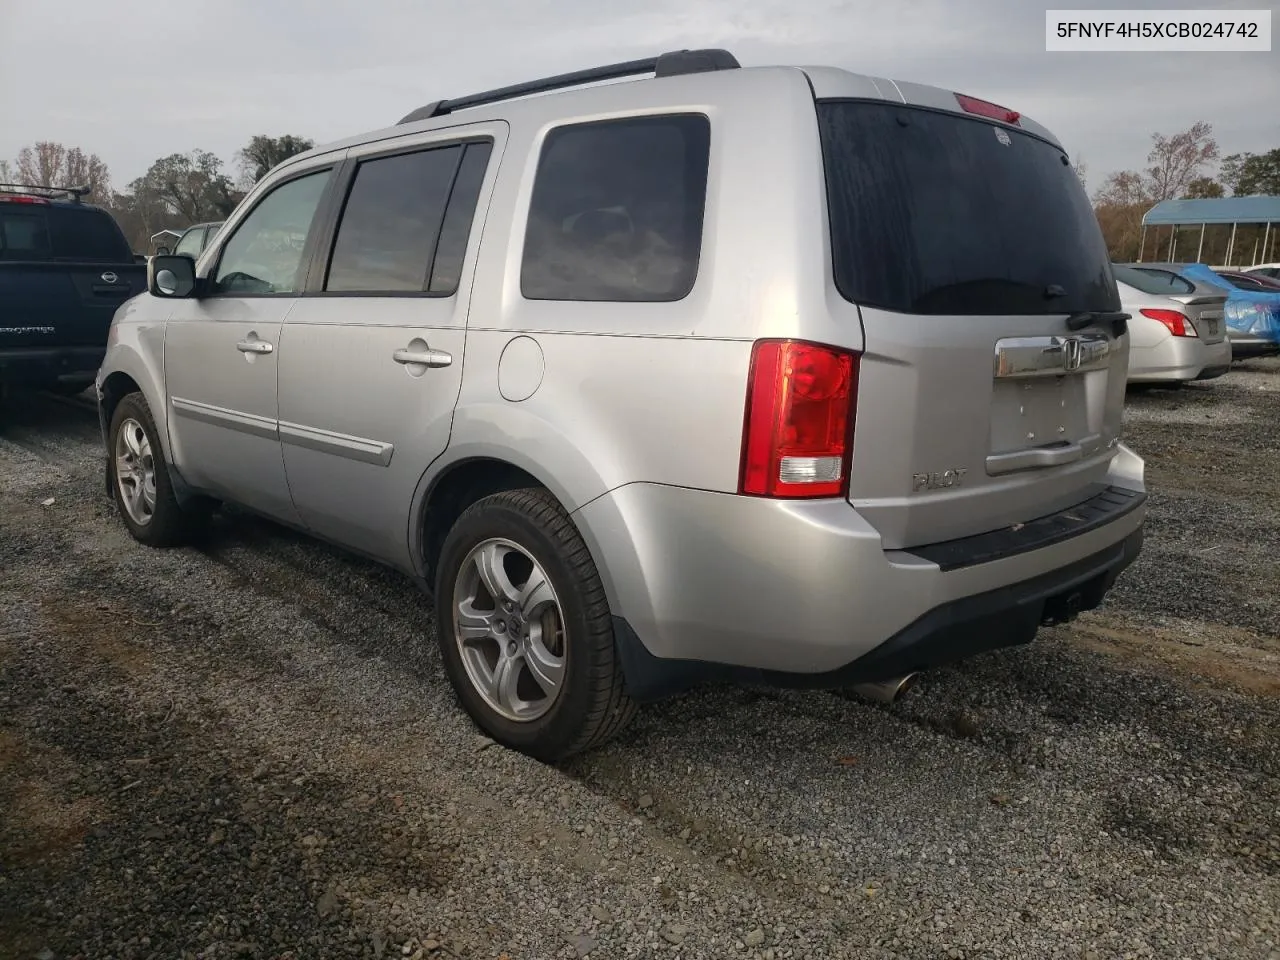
[427,358]
[253,346]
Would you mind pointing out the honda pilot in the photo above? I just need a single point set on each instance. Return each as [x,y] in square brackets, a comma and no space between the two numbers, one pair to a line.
[779,374]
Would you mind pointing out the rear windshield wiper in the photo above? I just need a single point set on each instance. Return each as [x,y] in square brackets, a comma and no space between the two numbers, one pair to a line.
[1087,318]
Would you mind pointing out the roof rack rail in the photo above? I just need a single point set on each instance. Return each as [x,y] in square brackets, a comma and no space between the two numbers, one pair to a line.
[673,64]
[74,193]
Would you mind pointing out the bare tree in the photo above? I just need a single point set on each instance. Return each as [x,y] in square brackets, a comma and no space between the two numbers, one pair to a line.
[1177,160]
[55,165]
[1082,172]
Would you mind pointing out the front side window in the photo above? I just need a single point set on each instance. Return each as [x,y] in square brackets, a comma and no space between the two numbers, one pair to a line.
[264,255]
[617,210]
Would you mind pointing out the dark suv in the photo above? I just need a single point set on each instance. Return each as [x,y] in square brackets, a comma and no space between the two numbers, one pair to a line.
[65,267]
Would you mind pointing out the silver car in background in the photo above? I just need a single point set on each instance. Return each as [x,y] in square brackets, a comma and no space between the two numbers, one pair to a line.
[1177,328]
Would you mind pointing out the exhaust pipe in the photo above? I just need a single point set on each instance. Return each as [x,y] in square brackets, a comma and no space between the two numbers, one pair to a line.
[886,691]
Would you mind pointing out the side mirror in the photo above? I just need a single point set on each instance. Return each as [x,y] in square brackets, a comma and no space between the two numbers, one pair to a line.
[171,277]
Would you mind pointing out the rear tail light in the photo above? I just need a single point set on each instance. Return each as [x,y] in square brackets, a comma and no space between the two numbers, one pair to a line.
[798,433]
[1179,325]
[23,198]
[983,108]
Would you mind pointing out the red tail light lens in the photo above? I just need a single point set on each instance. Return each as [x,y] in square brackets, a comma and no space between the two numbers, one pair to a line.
[22,198]
[984,109]
[798,434]
[1177,323]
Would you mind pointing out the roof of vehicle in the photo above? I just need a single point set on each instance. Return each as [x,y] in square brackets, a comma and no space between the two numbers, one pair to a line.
[676,64]
[1253,209]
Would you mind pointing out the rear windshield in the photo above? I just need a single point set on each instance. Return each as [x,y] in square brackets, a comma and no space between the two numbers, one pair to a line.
[1148,280]
[86,234]
[937,213]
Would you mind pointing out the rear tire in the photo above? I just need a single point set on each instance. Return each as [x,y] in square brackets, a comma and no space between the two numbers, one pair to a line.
[495,622]
[140,484]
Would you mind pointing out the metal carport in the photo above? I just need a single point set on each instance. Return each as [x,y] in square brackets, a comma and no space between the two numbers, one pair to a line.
[1254,211]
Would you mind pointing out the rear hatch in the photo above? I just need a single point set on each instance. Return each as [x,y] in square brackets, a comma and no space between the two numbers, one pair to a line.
[64,270]
[991,388]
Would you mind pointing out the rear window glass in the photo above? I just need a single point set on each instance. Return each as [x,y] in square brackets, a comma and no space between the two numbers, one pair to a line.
[389,228]
[936,213]
[86,234]
[617,209]
[23,235]
[1163,282]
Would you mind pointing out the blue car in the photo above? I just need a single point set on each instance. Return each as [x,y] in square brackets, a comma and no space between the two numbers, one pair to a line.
[1252,314]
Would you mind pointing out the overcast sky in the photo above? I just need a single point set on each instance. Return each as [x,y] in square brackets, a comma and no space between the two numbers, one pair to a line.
[133,80]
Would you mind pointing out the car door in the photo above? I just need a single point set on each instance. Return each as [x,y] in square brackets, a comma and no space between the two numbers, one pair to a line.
[221,349]
[371,363]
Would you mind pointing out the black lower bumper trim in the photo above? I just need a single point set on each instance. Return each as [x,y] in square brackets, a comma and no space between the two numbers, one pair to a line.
[1109,505]
[1006,617]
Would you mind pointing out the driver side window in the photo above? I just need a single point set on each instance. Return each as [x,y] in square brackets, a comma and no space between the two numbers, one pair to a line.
[264,255]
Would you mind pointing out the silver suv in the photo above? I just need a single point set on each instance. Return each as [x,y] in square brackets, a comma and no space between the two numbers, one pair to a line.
[779,374]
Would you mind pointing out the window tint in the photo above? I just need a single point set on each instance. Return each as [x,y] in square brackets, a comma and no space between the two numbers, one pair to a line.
[86,234]
[23,235]
[191,244]
[617,210]
[1163,282]
[936,213]
[391,221]
[447,268]
[83,233]
[264,255]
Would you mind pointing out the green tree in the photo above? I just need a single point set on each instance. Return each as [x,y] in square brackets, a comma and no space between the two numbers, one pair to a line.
[190,187]
[1202,188]
[264,153]
[1252,173]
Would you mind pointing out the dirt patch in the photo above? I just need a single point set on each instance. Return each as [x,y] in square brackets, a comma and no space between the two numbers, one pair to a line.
[1221,656]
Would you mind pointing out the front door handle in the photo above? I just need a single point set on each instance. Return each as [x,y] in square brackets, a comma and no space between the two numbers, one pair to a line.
[427,358]
[253,346]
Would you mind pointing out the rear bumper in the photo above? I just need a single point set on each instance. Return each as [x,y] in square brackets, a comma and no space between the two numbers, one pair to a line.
[1247,346]
[1172,359]
[35,366]
[803,594]
[1217,359]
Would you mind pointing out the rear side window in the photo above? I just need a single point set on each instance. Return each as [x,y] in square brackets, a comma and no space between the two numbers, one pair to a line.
[937,213]
[23,235]
[617,210]
[86,234]
[387,235]
[1163,282]
[446,272]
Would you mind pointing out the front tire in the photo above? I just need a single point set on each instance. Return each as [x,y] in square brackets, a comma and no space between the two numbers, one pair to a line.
[140,482]
[524,628]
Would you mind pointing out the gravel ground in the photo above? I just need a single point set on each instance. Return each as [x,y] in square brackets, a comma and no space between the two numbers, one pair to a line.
[250,750]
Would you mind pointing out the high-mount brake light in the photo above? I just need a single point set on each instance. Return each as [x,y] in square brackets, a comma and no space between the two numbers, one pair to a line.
[1179,325]
[984,108]
[23,198]
[797,438]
